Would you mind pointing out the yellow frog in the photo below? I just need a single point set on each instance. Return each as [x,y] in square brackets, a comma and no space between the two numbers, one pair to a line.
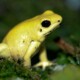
[26,39]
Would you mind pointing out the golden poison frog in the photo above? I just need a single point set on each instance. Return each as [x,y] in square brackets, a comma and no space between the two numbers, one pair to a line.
[26,39]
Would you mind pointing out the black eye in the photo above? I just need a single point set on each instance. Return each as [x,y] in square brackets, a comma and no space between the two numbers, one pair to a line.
[46,23]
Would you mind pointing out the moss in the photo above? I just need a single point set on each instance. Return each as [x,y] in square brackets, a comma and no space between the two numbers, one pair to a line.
[12,70]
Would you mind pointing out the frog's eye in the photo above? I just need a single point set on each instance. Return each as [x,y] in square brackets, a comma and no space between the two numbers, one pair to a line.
[46,23]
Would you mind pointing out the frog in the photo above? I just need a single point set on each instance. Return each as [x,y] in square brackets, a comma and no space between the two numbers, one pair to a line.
[27,38]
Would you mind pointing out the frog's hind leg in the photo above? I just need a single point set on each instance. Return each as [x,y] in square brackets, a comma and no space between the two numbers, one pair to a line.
[4,51]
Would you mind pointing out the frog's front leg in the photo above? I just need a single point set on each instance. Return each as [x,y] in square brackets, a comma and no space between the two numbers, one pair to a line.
[4,51]
[44,62]
[30,52]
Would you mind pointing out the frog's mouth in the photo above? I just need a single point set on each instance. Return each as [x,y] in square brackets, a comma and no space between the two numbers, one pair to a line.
[51,30]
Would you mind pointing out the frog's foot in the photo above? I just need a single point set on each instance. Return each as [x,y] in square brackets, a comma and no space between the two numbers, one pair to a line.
[44,64]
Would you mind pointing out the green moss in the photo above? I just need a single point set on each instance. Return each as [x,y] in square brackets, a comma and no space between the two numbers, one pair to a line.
[13,70]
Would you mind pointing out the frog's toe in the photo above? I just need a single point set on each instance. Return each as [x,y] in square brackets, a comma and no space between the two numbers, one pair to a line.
[44,64]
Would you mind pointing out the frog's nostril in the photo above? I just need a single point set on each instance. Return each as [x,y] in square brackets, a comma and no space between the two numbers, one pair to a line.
[59,20]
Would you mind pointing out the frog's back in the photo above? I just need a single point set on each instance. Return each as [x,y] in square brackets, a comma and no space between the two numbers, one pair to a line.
[17,39]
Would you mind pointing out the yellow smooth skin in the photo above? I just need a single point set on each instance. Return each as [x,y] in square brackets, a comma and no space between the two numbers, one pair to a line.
[26,38]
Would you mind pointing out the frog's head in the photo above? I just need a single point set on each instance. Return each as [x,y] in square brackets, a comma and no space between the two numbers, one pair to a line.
[48,22]
[45,23]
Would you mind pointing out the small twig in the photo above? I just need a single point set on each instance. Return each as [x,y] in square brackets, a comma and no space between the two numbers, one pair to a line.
[65,46]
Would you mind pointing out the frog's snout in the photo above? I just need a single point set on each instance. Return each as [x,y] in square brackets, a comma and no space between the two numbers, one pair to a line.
[59,20]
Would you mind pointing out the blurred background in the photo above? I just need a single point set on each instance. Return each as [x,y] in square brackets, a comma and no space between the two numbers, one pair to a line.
[14,11]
